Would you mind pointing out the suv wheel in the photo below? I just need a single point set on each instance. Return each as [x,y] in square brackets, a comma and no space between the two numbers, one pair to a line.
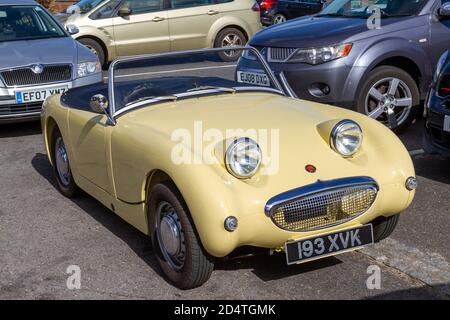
[96,48]
[278,18]
[391,96]
[230,37]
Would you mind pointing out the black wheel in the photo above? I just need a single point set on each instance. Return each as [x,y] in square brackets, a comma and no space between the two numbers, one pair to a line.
[230,37]
[61,167]
[391,96]
[96,48]
[175,241]
[383,227]
[279,18]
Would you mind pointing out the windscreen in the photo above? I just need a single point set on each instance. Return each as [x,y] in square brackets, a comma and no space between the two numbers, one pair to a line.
[142,81]
[363,8]
[27,23]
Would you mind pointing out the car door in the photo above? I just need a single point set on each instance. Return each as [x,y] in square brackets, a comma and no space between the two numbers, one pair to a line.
[440,34]
[144,30]
[190,22]
[87,131]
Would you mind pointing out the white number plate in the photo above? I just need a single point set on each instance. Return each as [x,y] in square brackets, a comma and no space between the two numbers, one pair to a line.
[28,96]
[447,123]
[259,79]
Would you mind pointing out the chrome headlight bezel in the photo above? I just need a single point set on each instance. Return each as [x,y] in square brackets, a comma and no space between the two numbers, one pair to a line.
[85,69]
[337,134]
[236,150]
[320,54]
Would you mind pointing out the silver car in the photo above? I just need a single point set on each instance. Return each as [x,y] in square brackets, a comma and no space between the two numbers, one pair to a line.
[38,58]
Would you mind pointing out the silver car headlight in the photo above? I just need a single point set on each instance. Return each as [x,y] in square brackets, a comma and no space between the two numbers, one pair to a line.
[88,68]
[320,55]
[346,138]
[243,158]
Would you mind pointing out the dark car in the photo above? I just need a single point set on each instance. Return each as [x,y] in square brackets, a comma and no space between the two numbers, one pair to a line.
[279,11]
[338,57]
[437,111]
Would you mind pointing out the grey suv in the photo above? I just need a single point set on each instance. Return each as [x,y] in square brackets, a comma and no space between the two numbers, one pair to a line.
[338,57]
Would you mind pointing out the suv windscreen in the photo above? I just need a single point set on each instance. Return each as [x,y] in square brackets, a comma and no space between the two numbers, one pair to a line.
[27,23]
[364,8]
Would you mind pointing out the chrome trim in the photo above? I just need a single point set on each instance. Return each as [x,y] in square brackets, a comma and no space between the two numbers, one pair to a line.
[271,59]
[334,134]
[317,187]
[30,66]
[112,108]
[229,153]
[20,115]
[287,86]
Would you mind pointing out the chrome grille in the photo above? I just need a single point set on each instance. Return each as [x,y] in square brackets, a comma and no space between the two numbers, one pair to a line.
[323,208]
[11,110]
[280,54]
[25,76]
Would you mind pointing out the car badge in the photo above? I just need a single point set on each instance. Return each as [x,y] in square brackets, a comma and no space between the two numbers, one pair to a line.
[37,69]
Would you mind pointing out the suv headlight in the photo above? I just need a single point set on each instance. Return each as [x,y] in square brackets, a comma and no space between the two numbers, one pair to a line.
[87,68]
[243,158]
[346,138]
[320,55]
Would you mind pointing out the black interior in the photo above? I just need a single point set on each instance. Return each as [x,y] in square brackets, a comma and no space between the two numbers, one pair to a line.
[131,91]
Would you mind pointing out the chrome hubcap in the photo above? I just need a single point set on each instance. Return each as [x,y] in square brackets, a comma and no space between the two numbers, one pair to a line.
[62,162]
[170,236]
[389,101]
[231,39]
[279,19]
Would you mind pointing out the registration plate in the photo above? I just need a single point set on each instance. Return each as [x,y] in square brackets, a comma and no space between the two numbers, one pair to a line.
[259,79]
[328,244]
[28,96]
[447,123]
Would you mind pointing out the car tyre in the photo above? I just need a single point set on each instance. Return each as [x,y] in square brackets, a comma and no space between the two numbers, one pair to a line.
[279,18]
[384,226]
[230,37]
[96,48]
[176,244]
[398,108]
[61,167]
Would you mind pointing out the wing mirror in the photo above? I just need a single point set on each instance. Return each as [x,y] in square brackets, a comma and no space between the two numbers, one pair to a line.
[99,104]
[71,29]
[124,12]
[444,10]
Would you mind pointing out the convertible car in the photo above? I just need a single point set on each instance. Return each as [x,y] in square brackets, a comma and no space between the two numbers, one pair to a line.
[207,159]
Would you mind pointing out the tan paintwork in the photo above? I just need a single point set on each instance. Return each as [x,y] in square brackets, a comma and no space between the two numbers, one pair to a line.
[167,30]
[116,164]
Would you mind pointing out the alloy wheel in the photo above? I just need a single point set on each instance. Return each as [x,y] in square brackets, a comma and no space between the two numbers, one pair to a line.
[279,19]
[389,101]
[231,39]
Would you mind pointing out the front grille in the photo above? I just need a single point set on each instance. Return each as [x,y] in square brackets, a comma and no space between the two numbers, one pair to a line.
[439,136]
[11,110]
[324,209]
[25,76]
[279,54]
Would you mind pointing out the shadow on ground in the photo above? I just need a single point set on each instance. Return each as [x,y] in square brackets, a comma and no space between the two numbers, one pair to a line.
[265,267]
[10,130]
[422,293]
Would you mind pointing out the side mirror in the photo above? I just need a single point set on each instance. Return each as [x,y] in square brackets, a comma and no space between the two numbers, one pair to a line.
[71,29]
[99,103]
[444,10]
[124,12]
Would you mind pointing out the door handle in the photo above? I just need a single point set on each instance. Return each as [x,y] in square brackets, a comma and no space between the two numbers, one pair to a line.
[158,19]
[212,12]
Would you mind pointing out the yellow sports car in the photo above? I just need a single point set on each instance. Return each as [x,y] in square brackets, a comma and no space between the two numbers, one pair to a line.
[205,158]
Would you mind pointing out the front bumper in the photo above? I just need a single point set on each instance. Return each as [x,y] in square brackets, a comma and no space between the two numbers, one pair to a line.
[12,112]
[436,140]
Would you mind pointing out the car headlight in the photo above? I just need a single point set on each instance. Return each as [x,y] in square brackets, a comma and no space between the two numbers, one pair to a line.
[320,55]
[87,68]
[346,138]
[243,158]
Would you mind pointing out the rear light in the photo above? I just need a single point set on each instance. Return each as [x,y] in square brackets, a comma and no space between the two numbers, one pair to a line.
[267,4]
[444,86]
[256,7]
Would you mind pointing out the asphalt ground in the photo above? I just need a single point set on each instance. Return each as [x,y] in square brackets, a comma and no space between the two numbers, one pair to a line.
[42,233]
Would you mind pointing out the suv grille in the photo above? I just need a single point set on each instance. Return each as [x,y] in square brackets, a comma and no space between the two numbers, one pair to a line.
[279,54]
[323,209]
[25,76]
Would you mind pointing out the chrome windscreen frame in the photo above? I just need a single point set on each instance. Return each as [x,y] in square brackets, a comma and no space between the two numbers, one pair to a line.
[320,186]
[111,93]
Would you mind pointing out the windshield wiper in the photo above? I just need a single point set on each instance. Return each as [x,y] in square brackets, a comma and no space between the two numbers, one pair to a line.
[152,99]
[219,89]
